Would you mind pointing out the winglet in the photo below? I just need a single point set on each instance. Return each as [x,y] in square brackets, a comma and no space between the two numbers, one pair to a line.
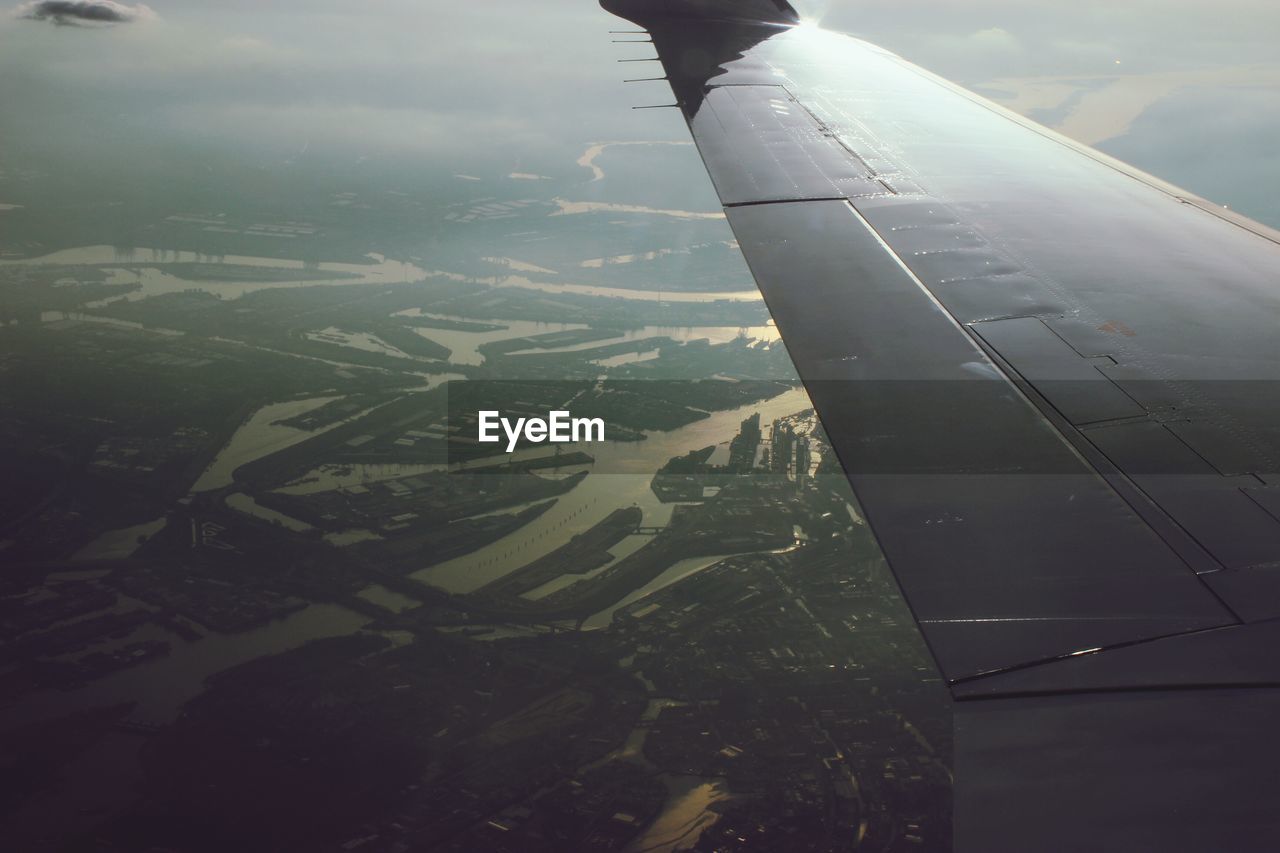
[755,11]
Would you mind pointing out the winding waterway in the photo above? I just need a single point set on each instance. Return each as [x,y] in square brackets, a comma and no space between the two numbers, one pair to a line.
[619,478]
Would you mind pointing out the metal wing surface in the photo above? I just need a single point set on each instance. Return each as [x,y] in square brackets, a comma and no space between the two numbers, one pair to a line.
[1050,379]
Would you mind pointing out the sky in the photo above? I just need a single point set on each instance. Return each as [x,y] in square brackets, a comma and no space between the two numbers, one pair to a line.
[1188,90]
[1185,90]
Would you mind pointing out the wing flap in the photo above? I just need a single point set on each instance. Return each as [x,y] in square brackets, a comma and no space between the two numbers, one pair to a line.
[976,501]
[1175,770]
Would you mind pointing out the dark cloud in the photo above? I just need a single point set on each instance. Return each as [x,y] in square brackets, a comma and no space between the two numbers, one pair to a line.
[82,12]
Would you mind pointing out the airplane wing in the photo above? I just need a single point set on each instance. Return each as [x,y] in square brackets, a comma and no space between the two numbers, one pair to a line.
[1050,379]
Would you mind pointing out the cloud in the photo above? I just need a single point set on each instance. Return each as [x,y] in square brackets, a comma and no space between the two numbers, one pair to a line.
[84,12]
[995,38]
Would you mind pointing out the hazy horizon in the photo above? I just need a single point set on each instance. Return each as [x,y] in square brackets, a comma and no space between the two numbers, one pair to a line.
[1182,91]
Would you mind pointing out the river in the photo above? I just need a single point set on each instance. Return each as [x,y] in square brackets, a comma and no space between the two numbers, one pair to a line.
[146,267]
[619,478]
[465,346]
[257,437]
[687,811]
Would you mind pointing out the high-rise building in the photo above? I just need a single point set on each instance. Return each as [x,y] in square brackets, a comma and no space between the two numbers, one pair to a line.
[803,461]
